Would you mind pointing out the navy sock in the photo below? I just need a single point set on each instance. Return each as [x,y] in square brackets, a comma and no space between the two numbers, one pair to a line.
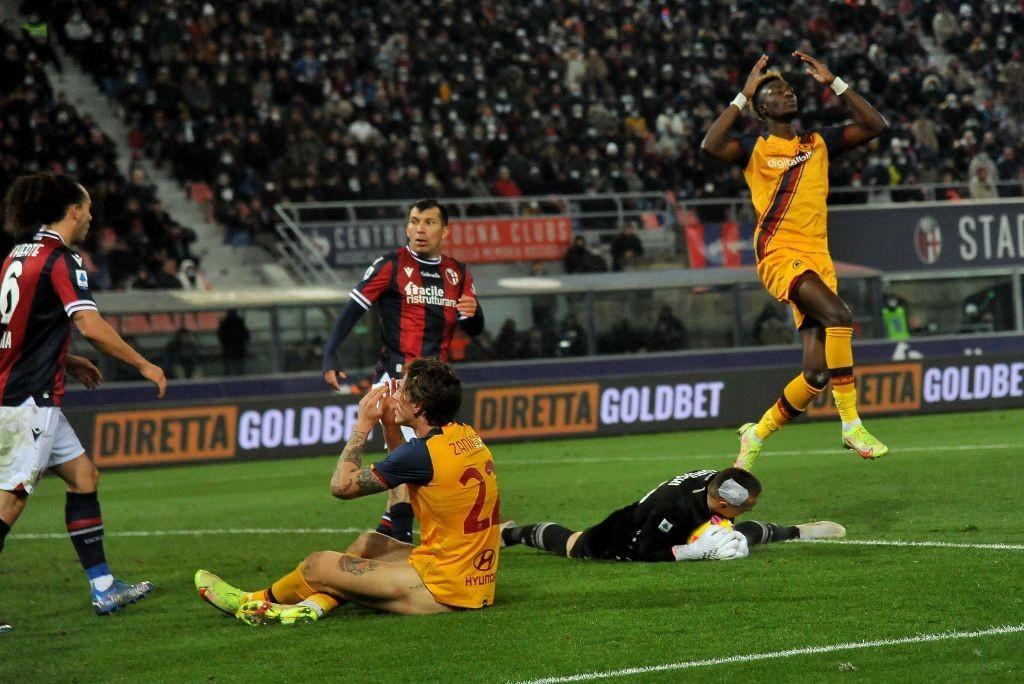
[758,532]
[545,536]
[401,522]
[85,527]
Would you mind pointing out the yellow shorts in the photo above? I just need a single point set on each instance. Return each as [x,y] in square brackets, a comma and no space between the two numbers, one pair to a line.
[780,268]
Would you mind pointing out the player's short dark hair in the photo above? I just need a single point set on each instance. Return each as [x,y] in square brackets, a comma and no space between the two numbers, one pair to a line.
[434,387]
[768,78]
[431,203]
[37,200]
[743,478]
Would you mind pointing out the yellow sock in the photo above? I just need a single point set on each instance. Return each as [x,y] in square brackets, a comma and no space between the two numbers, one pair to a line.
[291,588]
[260,595]
[321,603]
[839,359]
[794,400]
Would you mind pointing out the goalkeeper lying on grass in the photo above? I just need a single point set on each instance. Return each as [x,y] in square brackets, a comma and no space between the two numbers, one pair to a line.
[671,523]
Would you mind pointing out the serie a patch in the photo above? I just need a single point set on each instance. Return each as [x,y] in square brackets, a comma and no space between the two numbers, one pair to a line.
[82,279]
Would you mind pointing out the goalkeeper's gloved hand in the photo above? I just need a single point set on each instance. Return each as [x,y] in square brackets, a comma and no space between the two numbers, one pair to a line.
[718,543]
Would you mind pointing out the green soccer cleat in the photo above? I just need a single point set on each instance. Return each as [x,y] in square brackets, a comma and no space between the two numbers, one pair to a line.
[864,443]
[219,593]
[256,613]
[750,446]
[822,529]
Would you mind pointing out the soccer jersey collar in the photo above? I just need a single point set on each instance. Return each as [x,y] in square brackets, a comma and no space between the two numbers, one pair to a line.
[436,260]
[46,232]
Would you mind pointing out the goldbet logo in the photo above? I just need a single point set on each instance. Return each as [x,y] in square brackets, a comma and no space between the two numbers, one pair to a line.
[186,434]
[880,389]
[533,411]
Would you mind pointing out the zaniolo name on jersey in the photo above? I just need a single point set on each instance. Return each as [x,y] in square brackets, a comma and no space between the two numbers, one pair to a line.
[42,284]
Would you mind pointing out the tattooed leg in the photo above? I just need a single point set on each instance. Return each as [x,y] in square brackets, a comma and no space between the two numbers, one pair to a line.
[393,587]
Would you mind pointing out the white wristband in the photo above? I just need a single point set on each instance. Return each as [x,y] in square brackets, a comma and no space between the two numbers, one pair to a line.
[740,101]
[839,86]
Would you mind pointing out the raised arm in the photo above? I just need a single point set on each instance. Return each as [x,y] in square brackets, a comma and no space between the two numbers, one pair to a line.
[715,142]
[350,479]
[868,123]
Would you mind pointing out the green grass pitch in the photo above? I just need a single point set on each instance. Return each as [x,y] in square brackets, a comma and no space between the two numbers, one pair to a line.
[954,478]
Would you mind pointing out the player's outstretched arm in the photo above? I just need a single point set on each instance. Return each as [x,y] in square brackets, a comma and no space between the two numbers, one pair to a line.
[350,479]
[716,142]
[868,124]
[333,375]
[106,340]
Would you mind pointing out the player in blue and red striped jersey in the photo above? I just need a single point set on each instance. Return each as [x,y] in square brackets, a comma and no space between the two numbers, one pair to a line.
[43,288]
[421,295]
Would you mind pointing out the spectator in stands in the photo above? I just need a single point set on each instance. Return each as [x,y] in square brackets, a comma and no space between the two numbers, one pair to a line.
[576,256]
[182,356]
[773,325]
[506,345]
[981,186]
[572,337]
[233,335]
[669,332]
[191,277]
[626,248]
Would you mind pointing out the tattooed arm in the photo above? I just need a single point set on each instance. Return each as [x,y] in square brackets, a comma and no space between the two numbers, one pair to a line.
[351,479]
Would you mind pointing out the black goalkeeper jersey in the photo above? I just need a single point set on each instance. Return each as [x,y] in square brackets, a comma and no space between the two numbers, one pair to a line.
[648,529]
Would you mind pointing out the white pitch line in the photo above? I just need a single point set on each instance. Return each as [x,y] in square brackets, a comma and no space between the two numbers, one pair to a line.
[569,460]
[809,650]
[897,542]
[200,533]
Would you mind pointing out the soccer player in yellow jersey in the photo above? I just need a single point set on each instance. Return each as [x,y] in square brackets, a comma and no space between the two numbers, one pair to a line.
[454,494]
[787,172]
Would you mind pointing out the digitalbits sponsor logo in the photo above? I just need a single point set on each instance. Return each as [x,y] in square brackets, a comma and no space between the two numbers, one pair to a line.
[928,240]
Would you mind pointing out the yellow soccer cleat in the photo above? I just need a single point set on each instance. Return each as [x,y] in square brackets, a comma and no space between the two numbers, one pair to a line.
[864,443]
[219,593]
[750,446]
[256,613]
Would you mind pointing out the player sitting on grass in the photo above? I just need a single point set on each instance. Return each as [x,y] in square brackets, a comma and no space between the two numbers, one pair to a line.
[658,526]
[454,494]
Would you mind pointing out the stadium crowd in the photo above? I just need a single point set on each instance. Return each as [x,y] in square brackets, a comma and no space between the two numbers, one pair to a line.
[133,242]
[318,100]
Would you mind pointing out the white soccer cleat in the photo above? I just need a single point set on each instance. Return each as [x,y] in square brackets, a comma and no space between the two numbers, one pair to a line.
[822,529]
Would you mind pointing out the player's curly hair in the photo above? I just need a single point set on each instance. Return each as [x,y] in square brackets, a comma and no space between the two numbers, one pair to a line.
[37,200]
[766,78]
[434,387]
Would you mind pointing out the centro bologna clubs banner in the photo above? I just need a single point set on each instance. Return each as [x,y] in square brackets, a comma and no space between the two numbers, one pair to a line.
[475,241]
[930,236]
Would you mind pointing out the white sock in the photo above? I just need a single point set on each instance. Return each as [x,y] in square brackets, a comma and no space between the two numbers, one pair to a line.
[849,426]
[102,583]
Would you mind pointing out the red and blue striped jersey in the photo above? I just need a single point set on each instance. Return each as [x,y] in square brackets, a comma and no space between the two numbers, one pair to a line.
[416,298]
[43,283]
